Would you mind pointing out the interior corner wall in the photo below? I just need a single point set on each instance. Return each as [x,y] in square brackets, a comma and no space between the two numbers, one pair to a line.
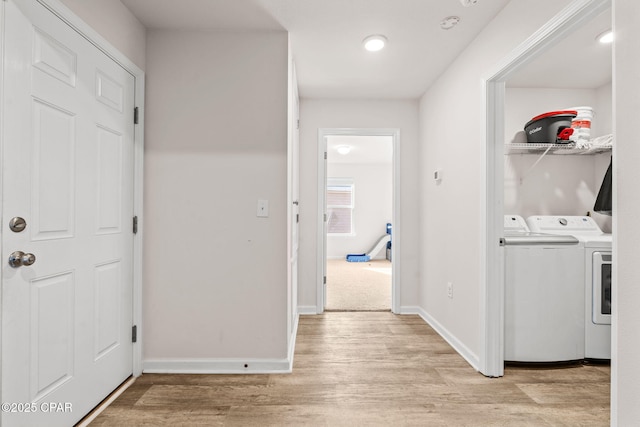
[451,138]
[339,113]
[215,284]
[625,369]
[113,21]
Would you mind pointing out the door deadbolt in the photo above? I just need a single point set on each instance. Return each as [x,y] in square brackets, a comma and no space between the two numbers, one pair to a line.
[17,224]
[19,258]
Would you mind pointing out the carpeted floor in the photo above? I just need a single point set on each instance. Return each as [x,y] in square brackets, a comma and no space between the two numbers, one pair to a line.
[358,286]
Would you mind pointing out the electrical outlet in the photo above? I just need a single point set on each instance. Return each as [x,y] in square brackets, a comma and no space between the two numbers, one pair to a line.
[450,289]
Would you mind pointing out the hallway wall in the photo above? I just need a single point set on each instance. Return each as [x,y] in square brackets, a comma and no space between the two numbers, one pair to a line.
[341,113]
[215,288]
[451,138]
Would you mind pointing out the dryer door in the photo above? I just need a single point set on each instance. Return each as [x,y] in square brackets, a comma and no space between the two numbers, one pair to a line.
[601,309]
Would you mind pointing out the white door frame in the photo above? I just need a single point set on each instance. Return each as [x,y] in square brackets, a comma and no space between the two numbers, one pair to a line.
[492,278]
[323,133]
[67,16]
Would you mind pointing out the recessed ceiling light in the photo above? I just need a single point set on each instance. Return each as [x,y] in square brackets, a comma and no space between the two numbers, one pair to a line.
[606,37]
[344,149]
[449,22]
[467,3]
[374,42]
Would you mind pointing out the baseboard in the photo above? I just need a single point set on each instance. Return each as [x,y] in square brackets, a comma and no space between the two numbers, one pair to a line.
[216,366]
[225,366]
[454,342]
[410,309]
[305,310]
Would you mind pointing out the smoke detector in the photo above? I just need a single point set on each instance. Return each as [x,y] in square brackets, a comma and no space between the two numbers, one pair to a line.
[468,3]
[449,22]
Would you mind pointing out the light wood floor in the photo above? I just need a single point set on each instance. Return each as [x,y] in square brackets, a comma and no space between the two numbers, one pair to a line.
[369,369]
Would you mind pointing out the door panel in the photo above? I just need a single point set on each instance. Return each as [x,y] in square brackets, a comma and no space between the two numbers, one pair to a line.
[53,175]
[52,333]
[67,169]
[109,181]
[107,308]
[54,58]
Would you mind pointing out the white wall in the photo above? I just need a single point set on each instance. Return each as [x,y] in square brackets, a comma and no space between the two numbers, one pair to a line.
[451,134]
[373,190]
[336,113]
[625,369]
[558,184]
[116,24]
[215,275]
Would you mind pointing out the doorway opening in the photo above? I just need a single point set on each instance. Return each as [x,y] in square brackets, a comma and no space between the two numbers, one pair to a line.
[358,211]
[575,16]
[359,206]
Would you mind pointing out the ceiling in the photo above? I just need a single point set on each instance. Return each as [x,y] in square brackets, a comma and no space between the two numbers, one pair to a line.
[578,61]
[364,149]
[326,37]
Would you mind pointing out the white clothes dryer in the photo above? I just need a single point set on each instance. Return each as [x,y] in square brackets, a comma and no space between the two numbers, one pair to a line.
[597,273]
[544,295]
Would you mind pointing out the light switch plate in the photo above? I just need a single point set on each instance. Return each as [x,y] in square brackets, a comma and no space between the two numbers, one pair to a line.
[263,208]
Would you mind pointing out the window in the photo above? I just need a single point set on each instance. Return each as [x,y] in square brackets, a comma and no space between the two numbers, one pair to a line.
[340,206]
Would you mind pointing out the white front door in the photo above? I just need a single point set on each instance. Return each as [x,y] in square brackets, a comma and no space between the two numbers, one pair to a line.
[67,170]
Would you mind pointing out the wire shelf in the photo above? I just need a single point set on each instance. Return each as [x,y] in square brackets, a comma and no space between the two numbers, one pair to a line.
[562,149]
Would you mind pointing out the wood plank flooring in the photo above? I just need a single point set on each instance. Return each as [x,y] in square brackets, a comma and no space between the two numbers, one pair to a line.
[369,369]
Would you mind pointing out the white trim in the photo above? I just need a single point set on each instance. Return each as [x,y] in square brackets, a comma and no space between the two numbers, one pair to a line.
[217,366]
[323,133]
[321,235]
[226,365]
[491,357]
[410,309]
[67,16]
[450,338]
[306,310]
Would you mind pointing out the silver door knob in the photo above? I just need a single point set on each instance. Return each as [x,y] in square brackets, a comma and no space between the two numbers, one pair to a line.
[19,258]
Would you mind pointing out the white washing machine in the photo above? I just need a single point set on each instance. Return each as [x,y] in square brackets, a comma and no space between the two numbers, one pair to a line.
[597,268]
[544,295]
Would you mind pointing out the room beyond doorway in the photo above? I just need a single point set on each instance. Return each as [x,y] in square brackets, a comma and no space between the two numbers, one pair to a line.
[358,286]
[358,210]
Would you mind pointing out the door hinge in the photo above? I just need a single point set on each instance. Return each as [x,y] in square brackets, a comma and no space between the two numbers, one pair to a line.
[135,224]
[325,155]
[325,217]
[297,218]
[298,124]
[324,280]
[134,333]
[135,116]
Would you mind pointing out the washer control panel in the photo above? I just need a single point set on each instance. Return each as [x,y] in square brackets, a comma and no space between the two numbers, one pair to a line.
[563,224]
